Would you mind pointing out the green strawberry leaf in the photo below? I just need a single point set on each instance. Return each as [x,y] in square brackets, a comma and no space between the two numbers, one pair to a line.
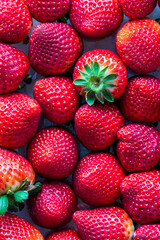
[80,82]
[3,204]
[34,189]
[109,85]
[107,95]
[99,96]
[110,77]
[84,75]
[96,68]
[90,97]
[103,71]
[87,68]
[92,67]
[85,89]
[25,184]
[10,192]
[19,196]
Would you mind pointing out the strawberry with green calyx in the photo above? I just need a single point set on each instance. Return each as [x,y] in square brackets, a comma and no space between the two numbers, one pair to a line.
[14,201]
[16,181]
[100,75]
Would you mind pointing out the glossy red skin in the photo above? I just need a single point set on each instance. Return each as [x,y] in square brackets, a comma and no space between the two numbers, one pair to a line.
[94,18]
[54,48]
[97,179]
[140,196]
[53,206]
[57,97]
[15,21]
[13,227]
[19,119]
[66,234]
[14,169]
[138,148]
[96,126]
[53,153]
[137,9]
[104,223]
[147,232]
[138,45]
[14,66]
[141,99]
[104,58]
[48,10]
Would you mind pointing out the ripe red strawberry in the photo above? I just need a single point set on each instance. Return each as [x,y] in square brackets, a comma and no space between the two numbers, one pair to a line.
[48,10]
[66,234]
[96,126]
[100,74]
[16,174]
[104,223]
[97,179]
[54,48]
[141,99]
[57,97]
[15,21]
[19,119]
[53,206]
[13,227]
[53,153]
[138,45]
[14,66]
[147,232]
[96,18]
[138,148]
[137,9]
[140,196]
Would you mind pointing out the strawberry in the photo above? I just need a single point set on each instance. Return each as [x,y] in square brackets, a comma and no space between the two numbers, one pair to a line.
[104,223]
[15,21]
[138,148]
[16,177]
[141,99]
[147,232]
[54,48]
[66,234]
[48,10]
[53,153]
[96,18]
[96,126]
[100,74]
[137,9]
[19,119]
[138,45]
[14,66]
[13,227]
[53,206]
[57,97]
[140,196]
[97,179]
